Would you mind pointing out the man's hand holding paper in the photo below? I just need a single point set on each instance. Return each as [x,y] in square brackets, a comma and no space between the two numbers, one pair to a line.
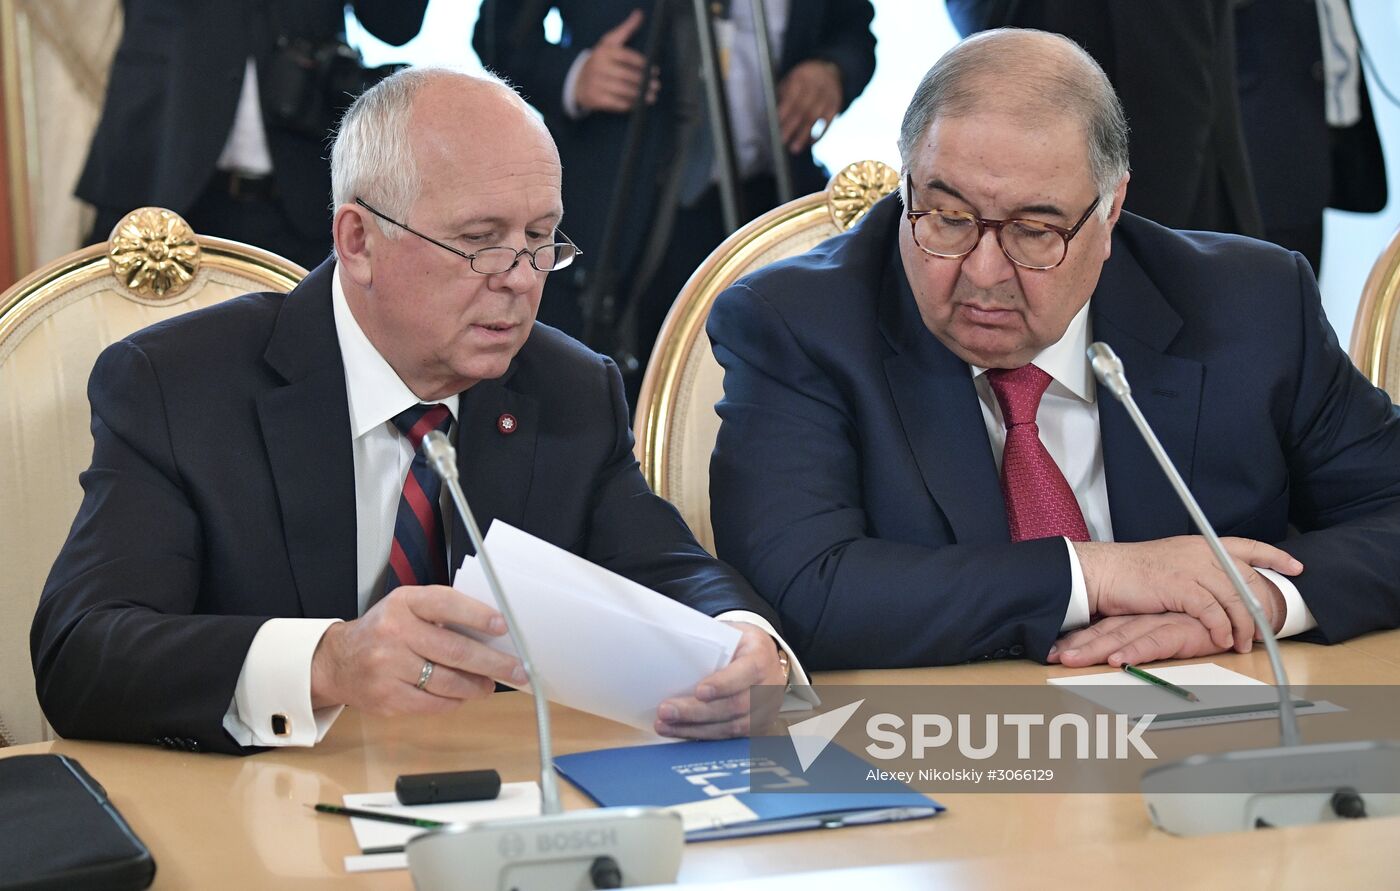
[375,662]
[606,645]
[719,706]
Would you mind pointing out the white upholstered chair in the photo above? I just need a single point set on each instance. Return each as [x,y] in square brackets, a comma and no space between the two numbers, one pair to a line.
[676,422]
[1375,337]
[52,326]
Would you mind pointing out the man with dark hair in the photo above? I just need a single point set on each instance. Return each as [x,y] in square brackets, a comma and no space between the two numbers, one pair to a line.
[914,465]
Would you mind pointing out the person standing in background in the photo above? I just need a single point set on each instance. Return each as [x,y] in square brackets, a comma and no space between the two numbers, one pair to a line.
[1172,63]
[585,86]
[222,110]
[1307,120]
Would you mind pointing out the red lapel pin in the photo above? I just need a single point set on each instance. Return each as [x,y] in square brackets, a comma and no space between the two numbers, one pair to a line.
[506,423]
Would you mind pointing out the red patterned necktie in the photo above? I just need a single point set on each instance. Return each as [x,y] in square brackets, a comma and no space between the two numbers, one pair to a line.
[418,555]
[1039,502]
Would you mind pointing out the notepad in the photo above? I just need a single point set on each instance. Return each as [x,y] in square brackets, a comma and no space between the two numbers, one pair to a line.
[515,800]
[1225,696]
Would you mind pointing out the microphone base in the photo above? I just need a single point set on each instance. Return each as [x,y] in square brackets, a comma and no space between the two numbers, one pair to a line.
[1286,786]
[549,852]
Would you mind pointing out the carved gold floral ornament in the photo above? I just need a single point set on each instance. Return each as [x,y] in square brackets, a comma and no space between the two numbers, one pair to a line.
[154,253]
[856,188]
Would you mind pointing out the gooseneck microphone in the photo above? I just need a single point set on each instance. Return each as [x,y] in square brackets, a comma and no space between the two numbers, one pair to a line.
[443,457]
[1292,784]
[1108,368]
[609,847]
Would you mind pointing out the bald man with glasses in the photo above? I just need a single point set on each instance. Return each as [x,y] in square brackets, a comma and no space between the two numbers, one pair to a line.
[914,466]
[261,542]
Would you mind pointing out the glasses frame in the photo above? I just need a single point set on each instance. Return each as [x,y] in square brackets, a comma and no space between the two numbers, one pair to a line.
[471,258]
[996,225]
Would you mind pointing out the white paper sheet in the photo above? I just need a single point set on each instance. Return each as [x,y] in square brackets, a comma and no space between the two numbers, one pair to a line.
[1225,695]
[515,800]
[712,813]
[1197,674]
[600,643]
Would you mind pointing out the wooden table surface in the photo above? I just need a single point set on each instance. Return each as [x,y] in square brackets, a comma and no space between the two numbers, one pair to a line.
[214,821]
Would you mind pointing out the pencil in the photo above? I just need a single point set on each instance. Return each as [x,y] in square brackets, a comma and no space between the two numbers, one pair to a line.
[1165,685]
[376,815]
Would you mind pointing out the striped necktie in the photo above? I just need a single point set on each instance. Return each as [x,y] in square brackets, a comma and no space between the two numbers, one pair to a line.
[419,553]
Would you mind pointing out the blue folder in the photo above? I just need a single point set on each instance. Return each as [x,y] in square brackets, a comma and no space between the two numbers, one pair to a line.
[761,774]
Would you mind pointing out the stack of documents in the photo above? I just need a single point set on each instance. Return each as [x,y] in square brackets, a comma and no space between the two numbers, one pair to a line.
[600,643]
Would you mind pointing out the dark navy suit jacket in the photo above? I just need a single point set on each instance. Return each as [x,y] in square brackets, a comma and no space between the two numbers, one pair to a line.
[854,485]
[174,87]
[1300,164]
[1172,63]
[221,493]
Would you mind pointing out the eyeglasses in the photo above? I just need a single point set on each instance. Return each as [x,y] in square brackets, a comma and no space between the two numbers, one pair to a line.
[953,234]
[495,260]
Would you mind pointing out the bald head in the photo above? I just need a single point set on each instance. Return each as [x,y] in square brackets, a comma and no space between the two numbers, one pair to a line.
[417,115]
[1032,77]
[446,167]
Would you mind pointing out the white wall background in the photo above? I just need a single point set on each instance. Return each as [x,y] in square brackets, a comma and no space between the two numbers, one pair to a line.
[913,33]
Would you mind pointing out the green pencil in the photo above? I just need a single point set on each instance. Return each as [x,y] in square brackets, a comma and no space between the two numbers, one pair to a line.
[1165,685]
[376,815]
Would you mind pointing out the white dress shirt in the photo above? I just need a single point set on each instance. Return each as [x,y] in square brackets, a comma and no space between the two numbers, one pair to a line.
[246,150]
[1341,63]
[1069,427]
[276,674]
[743,85]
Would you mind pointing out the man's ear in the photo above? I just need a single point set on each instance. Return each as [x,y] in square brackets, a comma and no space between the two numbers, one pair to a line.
[1119,195]
[350,228]
[1115,210]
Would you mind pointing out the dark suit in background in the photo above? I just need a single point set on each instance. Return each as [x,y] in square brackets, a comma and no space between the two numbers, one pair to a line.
[591,147]
[1300,163]
[1172,63]
[171,96]
[222,493]
[854,485]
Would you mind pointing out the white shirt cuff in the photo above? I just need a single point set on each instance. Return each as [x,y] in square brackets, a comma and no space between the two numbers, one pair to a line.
[570,98]
[800,695]
[1077,613]
[276,680]
[1297,618]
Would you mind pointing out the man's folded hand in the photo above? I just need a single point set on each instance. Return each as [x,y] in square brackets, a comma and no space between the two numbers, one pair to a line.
[1180,575]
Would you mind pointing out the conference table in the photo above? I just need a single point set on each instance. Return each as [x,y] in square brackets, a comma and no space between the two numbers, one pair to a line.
[214,821]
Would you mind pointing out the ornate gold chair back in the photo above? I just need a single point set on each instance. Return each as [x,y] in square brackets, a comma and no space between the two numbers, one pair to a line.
[52,326]
[676,424]
[1375,347]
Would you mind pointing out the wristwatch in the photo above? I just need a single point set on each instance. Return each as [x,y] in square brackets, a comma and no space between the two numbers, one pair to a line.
[784,664]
